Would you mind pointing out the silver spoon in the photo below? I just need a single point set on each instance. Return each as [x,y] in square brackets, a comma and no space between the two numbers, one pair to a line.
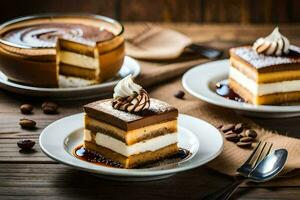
[267,169]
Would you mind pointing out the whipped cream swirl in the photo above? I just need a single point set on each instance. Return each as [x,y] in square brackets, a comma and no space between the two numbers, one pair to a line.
[129,96]
[273,44]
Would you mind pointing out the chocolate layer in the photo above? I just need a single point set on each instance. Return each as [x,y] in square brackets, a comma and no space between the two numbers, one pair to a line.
[158,111]
[264,63]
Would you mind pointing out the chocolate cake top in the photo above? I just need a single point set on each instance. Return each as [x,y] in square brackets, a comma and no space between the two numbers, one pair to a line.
[158,111]
[259,61]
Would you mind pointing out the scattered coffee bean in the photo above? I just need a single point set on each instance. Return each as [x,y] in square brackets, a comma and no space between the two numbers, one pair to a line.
[232,137]
[27,124]
[240,133]
[220,126]
[246,139]
[49,107]
[238,128]
[227,127]
[179,94]
[244,144]
[26,109]
[251,133]
[26,144]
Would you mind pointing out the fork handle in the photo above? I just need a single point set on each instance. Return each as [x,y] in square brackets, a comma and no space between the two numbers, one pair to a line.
[226,192]
[205,51]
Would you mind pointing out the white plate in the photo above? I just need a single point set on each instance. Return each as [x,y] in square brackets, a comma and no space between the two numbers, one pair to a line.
[130,66]
[199,137]
[200,81]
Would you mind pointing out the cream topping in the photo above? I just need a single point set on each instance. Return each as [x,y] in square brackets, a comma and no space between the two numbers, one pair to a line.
[273,44]
[129,96]
[120,147]
[126,87]
[260,89]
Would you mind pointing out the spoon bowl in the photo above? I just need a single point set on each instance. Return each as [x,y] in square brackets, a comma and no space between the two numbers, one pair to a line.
[270,166]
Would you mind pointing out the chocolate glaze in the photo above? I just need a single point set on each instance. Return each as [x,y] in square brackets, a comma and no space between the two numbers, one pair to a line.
[223,89]
[45,35]
[158,112]
[93,157]
[259,61]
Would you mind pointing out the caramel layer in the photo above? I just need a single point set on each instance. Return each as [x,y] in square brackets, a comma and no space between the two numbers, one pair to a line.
[134,160]
[70,70]
[265,77]
[270,99]
[132,136]
[75,47]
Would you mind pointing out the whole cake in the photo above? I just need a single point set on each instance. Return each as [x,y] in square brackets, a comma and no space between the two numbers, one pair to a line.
[39,50]
[267,72]
[131,129]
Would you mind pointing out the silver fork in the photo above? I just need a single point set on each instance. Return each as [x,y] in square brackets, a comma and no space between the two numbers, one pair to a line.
[147,29]
[258,154]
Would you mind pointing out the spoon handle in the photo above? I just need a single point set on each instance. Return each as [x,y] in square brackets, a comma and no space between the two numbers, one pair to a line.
[226,192]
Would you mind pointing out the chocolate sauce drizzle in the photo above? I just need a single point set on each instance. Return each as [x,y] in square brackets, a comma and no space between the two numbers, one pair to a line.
[223,89]
[135,103]
[45,35]
[93,157]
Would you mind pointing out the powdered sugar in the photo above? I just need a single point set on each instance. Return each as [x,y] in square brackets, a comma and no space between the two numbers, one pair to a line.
[156,107]
[260,60]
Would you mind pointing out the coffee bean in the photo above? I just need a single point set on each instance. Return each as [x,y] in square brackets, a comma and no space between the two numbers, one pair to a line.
[244,144]
[26,144]
[27,124]
[49,107]
[232,137]
[227,127]
[179,94]
[26,109]
[238,128]
[220,126]
[246,139]
[251,133]
[230,132]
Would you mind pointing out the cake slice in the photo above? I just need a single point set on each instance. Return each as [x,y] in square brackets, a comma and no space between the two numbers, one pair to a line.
[78,59]
[268,72]
[129,136]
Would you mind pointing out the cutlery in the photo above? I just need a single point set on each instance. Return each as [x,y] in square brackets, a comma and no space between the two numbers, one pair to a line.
[261,166]
[146,30]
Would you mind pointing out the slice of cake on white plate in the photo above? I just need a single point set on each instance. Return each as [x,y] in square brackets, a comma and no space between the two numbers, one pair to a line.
[267,72]
[131,128]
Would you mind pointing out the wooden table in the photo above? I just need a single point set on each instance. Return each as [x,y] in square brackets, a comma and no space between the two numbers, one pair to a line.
[35,176]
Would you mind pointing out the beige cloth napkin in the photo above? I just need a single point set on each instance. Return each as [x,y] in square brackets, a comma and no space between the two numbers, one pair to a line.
[156,43]
[232,156]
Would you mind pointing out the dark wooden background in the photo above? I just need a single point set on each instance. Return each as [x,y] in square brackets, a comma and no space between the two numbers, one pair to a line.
[205,11]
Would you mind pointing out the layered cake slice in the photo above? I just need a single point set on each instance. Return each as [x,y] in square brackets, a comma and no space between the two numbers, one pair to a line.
[131,128]
[268,72]
[78,59]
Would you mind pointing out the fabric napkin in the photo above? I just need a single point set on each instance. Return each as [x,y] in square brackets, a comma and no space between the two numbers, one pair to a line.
[156,43]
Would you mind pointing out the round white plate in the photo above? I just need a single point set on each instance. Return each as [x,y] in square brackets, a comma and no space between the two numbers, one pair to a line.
[202,139]
[130,66]
[200,81]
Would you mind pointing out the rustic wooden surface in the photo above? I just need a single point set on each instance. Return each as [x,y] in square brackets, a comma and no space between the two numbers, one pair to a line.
[204,11]
[35,176]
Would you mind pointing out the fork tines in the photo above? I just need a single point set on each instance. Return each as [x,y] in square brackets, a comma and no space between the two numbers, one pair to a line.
[258,154]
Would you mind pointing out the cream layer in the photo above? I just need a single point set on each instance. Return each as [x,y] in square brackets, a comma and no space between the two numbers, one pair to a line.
[79,60]
[128,150]
[263,88]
